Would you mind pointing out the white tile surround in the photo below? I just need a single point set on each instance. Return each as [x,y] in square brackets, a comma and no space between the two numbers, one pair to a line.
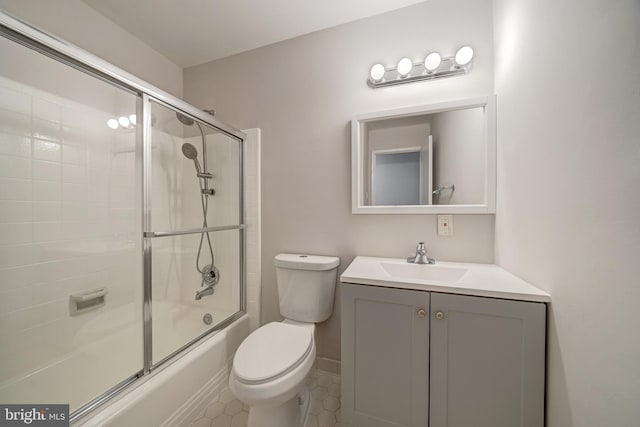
[225,410]
[67,225]
[252,218]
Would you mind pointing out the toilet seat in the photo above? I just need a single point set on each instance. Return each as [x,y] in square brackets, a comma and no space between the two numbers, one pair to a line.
[271,352]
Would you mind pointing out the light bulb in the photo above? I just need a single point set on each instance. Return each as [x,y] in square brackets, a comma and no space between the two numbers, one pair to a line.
[124,122]
[377,72]
[464,55]
[112,123]
[432,62]
[132,119]
[404,67]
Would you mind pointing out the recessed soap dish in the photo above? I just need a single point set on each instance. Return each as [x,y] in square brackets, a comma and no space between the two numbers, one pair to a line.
[87,301]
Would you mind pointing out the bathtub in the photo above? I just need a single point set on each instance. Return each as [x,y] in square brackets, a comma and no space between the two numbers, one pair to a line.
[179,390]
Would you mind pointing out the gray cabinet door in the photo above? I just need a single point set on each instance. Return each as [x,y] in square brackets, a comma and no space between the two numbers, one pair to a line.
[385,357]
[487,362]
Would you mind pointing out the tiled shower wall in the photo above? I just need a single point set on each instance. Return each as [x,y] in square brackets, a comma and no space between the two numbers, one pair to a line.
[252,218]
[67,223]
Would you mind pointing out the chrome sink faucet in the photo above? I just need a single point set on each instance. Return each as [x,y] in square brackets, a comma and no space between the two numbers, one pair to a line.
[421,256]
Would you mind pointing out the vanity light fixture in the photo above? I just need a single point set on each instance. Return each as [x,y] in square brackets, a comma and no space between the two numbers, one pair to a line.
[434,66]
[464,55]
[377,73]
[432,62]
[404,67]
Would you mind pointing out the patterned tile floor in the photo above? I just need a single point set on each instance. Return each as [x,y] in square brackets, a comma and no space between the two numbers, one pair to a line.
[227,411]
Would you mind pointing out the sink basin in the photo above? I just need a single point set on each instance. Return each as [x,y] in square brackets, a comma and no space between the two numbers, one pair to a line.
[487,280]
[424,272]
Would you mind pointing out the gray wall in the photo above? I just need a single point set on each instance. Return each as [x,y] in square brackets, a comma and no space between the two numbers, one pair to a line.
[459,150]
[79,24]
[568,91]
[302,93]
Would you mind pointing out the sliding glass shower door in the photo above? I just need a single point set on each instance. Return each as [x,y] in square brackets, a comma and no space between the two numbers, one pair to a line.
[194,185]
[121,224]
[70,232]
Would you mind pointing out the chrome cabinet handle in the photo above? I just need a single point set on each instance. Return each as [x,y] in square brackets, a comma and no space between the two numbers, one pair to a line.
[422,312]
[439,315]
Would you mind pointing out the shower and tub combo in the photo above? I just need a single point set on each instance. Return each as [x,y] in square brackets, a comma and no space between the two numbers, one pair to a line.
[106,236]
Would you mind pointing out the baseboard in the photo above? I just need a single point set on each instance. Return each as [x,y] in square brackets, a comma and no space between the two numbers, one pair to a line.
[189,411]
[330,366]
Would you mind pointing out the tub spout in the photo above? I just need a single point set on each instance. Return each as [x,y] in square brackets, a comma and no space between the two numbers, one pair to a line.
[206,291]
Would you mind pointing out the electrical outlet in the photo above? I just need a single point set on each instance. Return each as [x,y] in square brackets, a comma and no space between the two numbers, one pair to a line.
[445,225]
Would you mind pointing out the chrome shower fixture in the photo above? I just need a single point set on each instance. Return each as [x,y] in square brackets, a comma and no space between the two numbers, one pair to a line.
[210,278]
[187,121]
[190,152]
[210,273]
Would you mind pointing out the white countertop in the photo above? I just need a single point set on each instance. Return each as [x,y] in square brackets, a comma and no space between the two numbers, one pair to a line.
[486,280]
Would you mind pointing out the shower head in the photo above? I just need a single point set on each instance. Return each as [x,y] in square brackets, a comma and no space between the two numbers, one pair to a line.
[188,121]
[191,153]
[184,119]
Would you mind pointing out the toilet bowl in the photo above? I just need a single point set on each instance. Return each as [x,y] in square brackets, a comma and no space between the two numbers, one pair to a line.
[271,365]
[270,369]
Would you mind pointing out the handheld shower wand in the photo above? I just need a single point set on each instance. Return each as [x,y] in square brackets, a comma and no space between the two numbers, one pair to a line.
[191,153]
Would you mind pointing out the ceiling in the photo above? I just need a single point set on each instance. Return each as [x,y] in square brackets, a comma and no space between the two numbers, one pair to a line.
[192,32]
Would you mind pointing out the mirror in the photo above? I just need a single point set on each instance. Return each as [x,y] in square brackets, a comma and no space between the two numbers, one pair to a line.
[437,158]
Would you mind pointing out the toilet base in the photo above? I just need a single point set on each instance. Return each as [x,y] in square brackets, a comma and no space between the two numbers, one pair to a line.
[292,413]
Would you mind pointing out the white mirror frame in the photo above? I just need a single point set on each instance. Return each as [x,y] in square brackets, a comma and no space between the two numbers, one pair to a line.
[357,178]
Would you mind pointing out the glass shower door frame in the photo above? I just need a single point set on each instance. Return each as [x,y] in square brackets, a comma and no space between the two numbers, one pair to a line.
[149,235]
[49,45]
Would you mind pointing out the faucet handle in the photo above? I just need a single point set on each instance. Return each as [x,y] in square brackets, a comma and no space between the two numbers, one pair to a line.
[421,255]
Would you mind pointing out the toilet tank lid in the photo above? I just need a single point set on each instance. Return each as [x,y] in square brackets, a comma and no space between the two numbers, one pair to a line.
[306,262]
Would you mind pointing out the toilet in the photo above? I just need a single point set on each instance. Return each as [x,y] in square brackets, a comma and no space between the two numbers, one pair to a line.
[271,365]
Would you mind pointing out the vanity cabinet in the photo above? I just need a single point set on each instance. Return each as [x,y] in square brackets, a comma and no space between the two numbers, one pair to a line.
[417,358]
[385,356]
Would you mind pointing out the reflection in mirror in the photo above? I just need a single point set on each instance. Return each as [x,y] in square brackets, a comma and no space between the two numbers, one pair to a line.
[399,157]
[425,159]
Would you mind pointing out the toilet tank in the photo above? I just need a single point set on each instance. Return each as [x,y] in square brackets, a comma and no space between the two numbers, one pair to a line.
[306,286]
